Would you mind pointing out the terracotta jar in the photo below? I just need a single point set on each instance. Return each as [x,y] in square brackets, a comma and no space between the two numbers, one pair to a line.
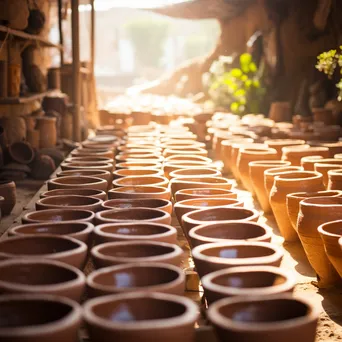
[195,172]
[323,115]
[335,180]
[45,246]
[141,181]
[293,200]
[77,192]
[256,173]
[312,213]
[77,182]
[134,192]
[39,318]
[280,111]
[247,281]
[229,232]
[287,183]
[148,231]
[278,318]
[333,146]
[165,317]
[41,277]
[21,152]
[174,165]
[247,155]
[296,153]
[47,131]
[136,277]
[278,144]
[105,175]
[124,252]
[8,192]
[308,163]
[139,165]
[197,193]
[222,255]
[323,168]
[136,172]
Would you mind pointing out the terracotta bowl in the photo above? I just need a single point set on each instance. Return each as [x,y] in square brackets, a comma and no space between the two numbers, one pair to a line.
[45,246]
[182,143]
[295,153]
[264,319]
[114,232]
[137,277]
[134,192]
[174,165]
[77,192]
[81,231]
[133,214]
[197,193]
[140,316]
[41,277]
[141,181]
[77,182]
[278,144]
[39,318]
[179,158]
[103,174]
[229,232]
[123,157]
[221,255]
[58,215]
[116,253]
[195,172]
[87,166]
[139,165]
[91,159]
[92,152]
[217,215]
[247,281]
[70,202]
[188,151]
[136,172]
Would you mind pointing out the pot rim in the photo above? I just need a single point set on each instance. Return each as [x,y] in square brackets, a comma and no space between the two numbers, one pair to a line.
[42,201]
[164,203]
[234,203]
[86,159]
[307,202]
[94,180]
[189,191]
[280,142]
[268,163]
[322,228]
[158,190]
[65,173]
[175,173]
[97,192]
[274,171]
[139,165]
[155,172]
[161,180]
[282,177]
[305,195]
[28,217]
[199,180]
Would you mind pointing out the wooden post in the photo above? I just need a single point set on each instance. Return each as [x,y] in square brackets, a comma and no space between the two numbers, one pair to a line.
[60,27]
[92,37]
[76,66]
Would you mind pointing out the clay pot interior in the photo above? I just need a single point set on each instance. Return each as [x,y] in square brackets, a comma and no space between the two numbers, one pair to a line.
[70,201]
[139,165]
[91,173]
[141,181]
[194,193]
[58,215]
[195,172]
[139,192]
[124,203]
[136,172]
[77,192]
[77,181]
[21,152]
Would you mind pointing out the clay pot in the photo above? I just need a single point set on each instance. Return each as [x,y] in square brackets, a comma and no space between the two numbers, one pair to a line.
[89,152]
[333,146]
[21,152]
[182,143]
[287,183]
[217,215]
[45,246]
[105,175]
[195,172]
[136,157]
[197,193]
[47,131]
[77,182]
[139,165]
[77,192]
[116,253]
[188,151]
[39,318]
[323,115]
[174,165]
[134,192]
[256,174]
[323,168]
[247,281]
[280,112]
[278,144]
[58,215]
[41,277]
[278,318]
[308,163]
[216,256]
[312,213]
[115,232]
[296,153]
[334,183]
[293,200]
[8,192]
[166,317]
[136,172]
[141,181]
[229,232]
[179,158]
[87,166]
[91,159]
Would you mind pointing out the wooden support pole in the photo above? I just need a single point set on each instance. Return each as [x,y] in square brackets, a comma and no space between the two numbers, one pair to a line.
[92,37]
[60,27]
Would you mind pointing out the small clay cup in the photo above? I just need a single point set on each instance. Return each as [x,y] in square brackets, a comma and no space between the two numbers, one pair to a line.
[103,174]
[216,256]
[117,253]
[247,281]
[77,192]
[135,192]
[167,317]
[136,172]
[41,277]
[197,193]
[136,277]
[335,180]
[195,172]
[278,144]
[77,182]
[141,181]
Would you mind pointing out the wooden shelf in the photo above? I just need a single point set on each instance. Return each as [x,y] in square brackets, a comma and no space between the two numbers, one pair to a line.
[27,99]
[31,37]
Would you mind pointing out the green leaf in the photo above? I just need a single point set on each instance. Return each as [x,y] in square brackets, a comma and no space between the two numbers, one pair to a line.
[245,59]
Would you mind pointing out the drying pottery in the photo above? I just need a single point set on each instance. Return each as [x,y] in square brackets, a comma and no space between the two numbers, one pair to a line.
[8,192]
[139,165]
[58,215]
[188,151]
[312,213]
[136,172]
[287,183]
[41,277]
[91,159]
[77,182]
[141,181]
[116,253]
[21,152]
[133,214]
[195,172]
[77,192]
[179,158]
[45,246]
[280,111]
[324,168]
[115,232]
[308,163]
[197,193]
[39,318]
[174,165]
[247,281]
[182,143]
[106,175]
[136,277]
[334,182]
[136,157]
[134,192]
[278,144]
[280,318]
[140,316]
[294,154]
[92,152]
[256,173]
[222,255]
[87,166]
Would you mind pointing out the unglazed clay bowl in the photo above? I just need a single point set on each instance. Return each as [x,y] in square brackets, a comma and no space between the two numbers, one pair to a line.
[229,232]
[87,166]
[294,154]
[179,158]
[140,316]
[136,277]
[247,281]
[277,318]
[139,165]
[45,246]
[114,232]
[79,152]
[103,174]
[134,192]
[81,231]
[133,214]
[197,193]
[39,318]
[141,181]
[174,165]
[221,255]
[182,143]
[77,182]
[87,159]
[195,172]
[192,151]
[278,144]
[41,277]
[77,192]
[116,253]
[70,202]
[136,172]
[58,215]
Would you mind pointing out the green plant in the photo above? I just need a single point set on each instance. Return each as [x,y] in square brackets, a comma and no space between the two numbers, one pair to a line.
[330,62]
[238,88]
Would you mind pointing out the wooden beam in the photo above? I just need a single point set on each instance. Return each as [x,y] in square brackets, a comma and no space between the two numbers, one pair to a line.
[60,27]
[92,37]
